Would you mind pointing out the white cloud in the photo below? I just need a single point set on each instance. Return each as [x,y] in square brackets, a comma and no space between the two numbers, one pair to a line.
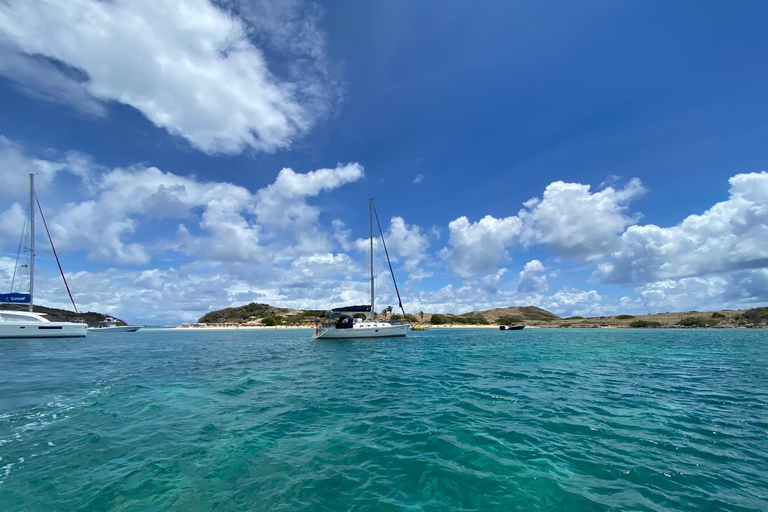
[575,223]
[11,221]
[342,236]
[219,221]
[407,243]
[476,249]
[490,283]
[187,65]
[739,290]
[15,167]
[418,179]
[282,206]
[730,236]
[39,77]
[529,280]
[571,302]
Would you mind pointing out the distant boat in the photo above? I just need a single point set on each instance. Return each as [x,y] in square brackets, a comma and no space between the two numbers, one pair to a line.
[512,327]
[342,323]
[28,324]
[109,324]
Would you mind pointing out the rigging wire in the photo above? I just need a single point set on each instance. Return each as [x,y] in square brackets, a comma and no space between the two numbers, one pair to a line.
[56,256]
[392,272]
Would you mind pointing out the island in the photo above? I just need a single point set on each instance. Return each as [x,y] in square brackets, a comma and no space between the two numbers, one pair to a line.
[255,315]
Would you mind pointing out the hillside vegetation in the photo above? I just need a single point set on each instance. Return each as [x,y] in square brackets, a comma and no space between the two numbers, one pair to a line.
[757,317]
[260,314]
[264,314]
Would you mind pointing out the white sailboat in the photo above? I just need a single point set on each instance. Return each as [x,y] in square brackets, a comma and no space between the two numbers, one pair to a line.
[28,324]
[342,323]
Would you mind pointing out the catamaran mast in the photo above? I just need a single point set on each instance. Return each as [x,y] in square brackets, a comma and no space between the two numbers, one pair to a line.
[370,213]
[31,240]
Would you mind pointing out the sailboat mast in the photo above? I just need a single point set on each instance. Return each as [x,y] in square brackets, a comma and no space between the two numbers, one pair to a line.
[370,214]
[31,241]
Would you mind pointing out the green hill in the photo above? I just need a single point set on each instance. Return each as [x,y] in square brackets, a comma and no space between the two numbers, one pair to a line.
[259,313]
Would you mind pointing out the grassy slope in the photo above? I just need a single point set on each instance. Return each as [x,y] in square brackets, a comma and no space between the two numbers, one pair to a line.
[530,315]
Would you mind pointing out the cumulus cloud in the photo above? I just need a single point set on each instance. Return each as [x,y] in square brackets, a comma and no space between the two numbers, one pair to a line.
[490,283]
[187,65]
[217,221]
[408,244]
[418,179]
[530,280]
[282,205]
[15,165]
[125,199]
[575,223]
[477,248]
[728,237]
[738,290]
[571,301]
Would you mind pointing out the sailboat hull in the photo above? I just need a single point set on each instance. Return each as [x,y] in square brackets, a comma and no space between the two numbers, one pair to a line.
[390,331]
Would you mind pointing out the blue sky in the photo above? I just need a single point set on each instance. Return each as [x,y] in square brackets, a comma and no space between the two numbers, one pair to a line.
[589,158]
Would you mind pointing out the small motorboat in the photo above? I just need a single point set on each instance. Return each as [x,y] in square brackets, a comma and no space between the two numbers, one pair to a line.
[110,324]
[512,327]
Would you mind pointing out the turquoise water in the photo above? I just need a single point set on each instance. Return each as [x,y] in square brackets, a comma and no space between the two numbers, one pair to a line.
[449,420]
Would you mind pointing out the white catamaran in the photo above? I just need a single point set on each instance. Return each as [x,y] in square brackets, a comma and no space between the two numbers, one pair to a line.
[342,323]
[27,324]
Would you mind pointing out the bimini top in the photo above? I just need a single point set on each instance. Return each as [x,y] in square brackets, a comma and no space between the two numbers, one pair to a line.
[353,309]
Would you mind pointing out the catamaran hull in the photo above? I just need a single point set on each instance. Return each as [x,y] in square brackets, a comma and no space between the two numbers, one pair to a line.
[395,331]
[43,330]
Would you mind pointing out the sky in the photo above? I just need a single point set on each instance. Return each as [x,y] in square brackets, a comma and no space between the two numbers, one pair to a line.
[589,158]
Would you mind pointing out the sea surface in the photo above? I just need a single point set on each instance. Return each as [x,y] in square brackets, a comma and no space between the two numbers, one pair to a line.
[445,420]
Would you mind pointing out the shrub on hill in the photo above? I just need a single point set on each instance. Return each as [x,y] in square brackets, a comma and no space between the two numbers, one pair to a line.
[575,318]
[754,316]
[644,324]
[692,321]
[624,317]
[438,319]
